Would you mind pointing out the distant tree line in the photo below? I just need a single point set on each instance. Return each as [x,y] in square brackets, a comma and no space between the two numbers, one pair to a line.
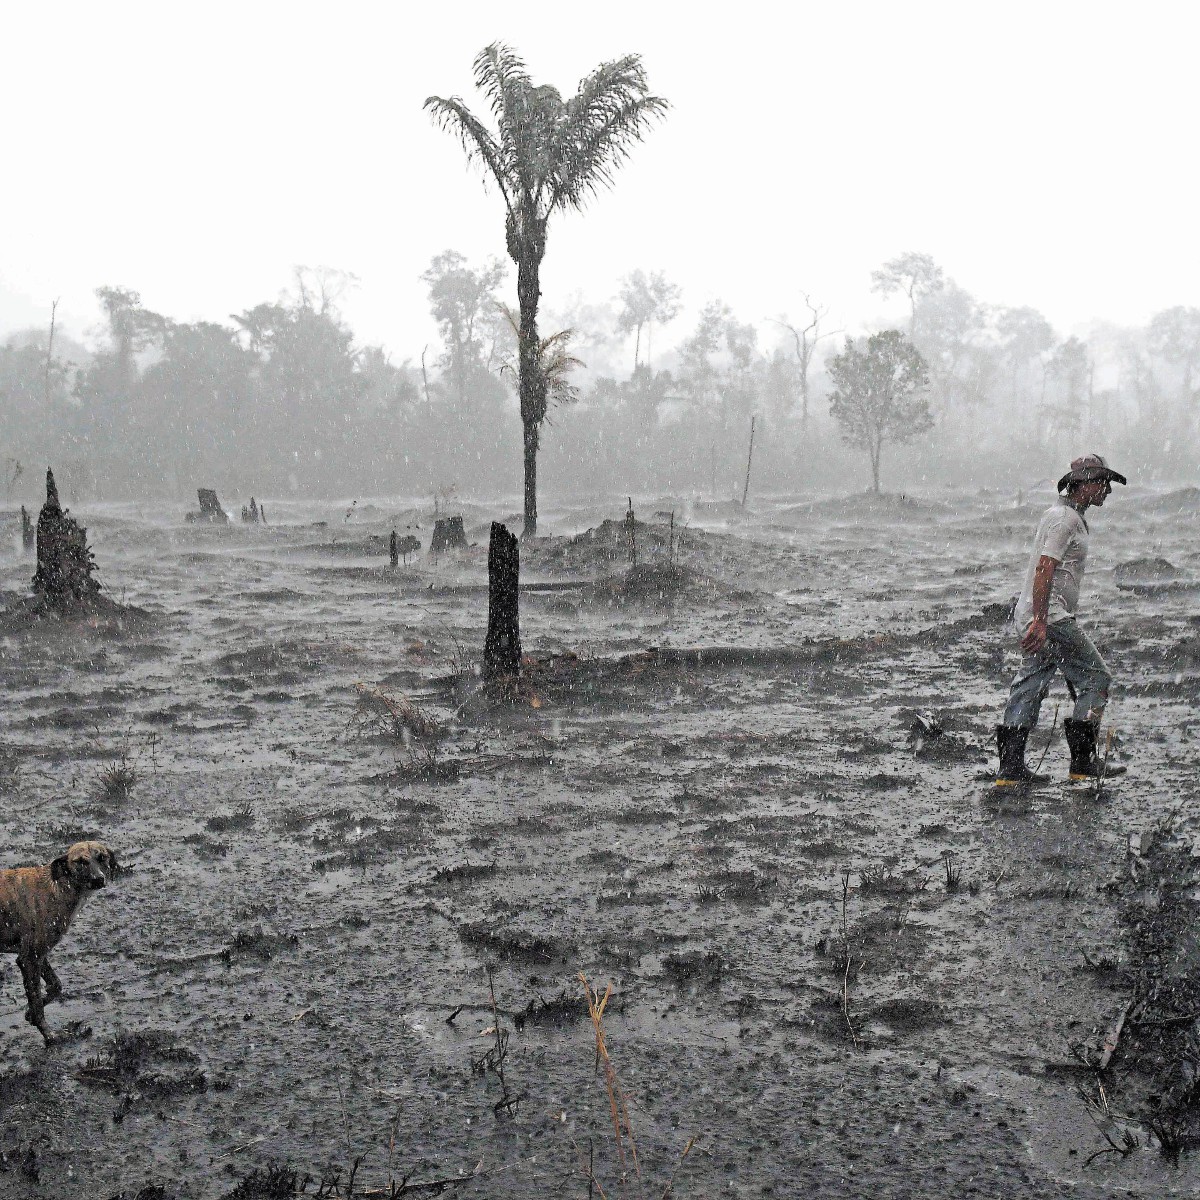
[281,399]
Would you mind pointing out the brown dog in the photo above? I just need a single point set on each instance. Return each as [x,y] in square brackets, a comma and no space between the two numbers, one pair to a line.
[37,905]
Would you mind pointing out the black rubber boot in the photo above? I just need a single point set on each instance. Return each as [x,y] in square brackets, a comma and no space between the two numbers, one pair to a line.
[1010,743]
[1085,762]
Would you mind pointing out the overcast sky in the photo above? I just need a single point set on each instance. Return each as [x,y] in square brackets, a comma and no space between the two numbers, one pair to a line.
[1043,153]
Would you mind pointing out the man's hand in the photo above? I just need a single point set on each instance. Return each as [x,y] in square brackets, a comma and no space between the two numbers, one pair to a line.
[1043,577]
[1035,636]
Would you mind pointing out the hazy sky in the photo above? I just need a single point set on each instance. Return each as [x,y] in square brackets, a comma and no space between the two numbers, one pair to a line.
[1043,153]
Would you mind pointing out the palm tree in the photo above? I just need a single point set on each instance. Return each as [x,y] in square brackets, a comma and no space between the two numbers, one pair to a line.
[547,154]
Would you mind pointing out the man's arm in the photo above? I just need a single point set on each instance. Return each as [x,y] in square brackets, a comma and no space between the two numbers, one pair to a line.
[1043,577]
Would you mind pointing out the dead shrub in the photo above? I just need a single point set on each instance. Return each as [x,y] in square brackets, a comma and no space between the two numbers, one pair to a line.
[391,715]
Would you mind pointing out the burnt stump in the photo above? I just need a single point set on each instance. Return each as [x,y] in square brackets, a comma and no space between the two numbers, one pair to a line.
[65,564]
[502,649]
[448,534]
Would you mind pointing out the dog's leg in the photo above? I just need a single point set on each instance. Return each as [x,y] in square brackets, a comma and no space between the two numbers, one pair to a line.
[52,982]
[31,974]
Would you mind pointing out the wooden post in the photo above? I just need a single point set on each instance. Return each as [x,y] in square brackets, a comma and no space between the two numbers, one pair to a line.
[502,650]
[631,534]
[50,350]
[749,457]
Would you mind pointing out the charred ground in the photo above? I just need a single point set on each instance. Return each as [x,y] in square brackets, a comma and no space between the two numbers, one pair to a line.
[839,960]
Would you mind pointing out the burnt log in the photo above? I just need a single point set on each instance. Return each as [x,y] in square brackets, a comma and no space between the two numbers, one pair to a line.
[448,534]
[502,649]
[65,563]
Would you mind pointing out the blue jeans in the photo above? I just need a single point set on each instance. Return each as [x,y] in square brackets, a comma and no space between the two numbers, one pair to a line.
[1070,650]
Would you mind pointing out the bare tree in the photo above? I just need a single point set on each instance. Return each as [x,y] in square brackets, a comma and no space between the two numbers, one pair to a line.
[806,338]
[321,288]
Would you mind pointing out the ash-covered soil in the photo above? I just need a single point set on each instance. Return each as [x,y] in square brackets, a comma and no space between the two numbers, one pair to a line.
[840,962]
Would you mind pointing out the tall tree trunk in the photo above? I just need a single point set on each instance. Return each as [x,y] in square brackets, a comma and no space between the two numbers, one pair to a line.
[532,385]
[804,405]
[531,449]
[876,452]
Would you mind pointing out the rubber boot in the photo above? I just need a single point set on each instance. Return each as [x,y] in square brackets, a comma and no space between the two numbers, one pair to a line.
[1010,743]
[1085,762]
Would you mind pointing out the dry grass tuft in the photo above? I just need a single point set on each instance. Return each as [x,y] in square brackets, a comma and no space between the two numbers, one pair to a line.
[380,713]
[117,780]
[622,1130]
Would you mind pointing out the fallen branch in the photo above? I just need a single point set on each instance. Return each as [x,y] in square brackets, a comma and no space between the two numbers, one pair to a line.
[1167,1022]
[1120,1140]
[846,949]
[1113,1038]
[437,1186]
[243,1146]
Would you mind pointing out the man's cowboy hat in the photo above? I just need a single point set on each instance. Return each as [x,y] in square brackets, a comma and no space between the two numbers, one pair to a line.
[1089,469]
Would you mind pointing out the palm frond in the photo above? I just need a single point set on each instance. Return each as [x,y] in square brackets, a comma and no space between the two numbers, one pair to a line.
[477,140]
[520,110]
[513,319]
[554,361]
[557,363]
[501,75]
[610,112]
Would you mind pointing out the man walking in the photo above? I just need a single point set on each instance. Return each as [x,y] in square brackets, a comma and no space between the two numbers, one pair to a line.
[1052,640]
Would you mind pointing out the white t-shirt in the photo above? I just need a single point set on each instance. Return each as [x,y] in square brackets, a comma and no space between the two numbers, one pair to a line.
[1062,534]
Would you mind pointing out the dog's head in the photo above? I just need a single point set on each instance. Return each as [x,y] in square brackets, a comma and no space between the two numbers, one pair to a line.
[86,865]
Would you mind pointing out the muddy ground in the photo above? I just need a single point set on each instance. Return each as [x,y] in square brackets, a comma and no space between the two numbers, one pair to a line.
[840,962]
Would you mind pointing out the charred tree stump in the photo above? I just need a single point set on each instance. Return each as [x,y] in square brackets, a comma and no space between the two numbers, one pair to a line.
[64,562]
[448,534]
[394,551]
[28,534]
[210,508]
[502,649]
